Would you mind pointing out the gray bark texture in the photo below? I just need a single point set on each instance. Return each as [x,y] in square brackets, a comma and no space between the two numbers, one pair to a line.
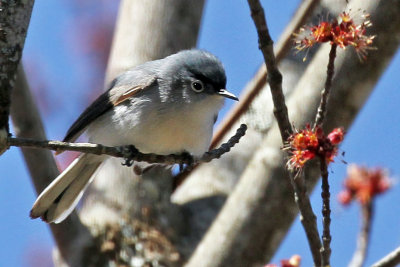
[14,21]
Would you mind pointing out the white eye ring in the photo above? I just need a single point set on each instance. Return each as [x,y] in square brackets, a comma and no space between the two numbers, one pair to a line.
[197,86]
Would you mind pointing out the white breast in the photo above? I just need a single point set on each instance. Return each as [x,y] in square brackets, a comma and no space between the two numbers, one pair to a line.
[160,130]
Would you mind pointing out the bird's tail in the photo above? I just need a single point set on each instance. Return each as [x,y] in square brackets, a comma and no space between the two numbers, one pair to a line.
[59,198]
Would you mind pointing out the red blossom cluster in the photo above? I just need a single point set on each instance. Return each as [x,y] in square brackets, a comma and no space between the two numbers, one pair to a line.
[294,261]
[308,143]
[344,32]
[363,184]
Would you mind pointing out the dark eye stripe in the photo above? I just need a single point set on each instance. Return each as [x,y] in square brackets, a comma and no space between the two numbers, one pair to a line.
[205,79]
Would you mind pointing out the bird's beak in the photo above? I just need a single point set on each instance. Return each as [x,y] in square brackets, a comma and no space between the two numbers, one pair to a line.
[225,93]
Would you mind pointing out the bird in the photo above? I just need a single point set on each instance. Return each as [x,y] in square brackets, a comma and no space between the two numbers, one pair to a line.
[165,106]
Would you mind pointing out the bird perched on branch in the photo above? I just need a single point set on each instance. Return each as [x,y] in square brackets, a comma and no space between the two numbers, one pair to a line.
[163,106]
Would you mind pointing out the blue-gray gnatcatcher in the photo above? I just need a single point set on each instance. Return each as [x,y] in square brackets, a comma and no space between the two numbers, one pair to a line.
[163,106]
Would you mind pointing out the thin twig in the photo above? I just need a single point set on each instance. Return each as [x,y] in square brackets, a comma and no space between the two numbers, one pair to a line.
[274,78]
[326,215]
[325,194]
[128,152]
[283,46]
[319,119]
[363,238]
[307,216]
[390,260]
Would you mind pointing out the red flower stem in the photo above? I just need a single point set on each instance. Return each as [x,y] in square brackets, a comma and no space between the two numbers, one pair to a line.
[326,215]
[325,194]
[319,118]
[274,78]
[307,216]
[363,237]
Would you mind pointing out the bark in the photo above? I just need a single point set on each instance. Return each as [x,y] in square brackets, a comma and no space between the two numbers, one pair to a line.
[14,21]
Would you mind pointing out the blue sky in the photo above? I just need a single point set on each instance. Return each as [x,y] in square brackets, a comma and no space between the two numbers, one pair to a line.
[228,32]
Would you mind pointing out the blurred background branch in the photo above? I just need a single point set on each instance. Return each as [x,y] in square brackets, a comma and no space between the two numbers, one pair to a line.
[390,260]
[27,122]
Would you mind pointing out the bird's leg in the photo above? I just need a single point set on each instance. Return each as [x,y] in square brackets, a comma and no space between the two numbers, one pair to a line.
[188,160]
[130,152]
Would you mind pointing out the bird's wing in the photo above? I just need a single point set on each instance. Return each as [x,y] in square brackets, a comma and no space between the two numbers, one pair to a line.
[120,90]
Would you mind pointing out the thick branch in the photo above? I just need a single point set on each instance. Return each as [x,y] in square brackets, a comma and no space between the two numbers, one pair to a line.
[390,260]
[14,21]
[152,29]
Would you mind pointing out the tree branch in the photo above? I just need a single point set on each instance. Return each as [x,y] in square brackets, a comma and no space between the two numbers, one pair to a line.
[259,81]
[274,78]
[129,152]
[43,169]
[148,30]
[325,194]
[14,21]
[390,260]
[308,218]
[364,235]
[319,118]
[326,215]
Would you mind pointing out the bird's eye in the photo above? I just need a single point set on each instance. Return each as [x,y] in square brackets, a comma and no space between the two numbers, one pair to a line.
[197,86]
